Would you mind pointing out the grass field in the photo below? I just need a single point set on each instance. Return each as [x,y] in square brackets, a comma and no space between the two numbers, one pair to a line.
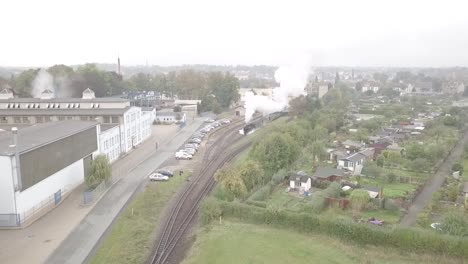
[131,238]
[391,190]
[234,242]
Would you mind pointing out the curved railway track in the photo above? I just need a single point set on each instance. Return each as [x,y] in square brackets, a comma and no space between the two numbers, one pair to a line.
[185,208]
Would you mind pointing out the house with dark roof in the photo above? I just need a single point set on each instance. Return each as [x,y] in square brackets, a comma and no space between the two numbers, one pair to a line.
[300,181]
[328,174]
[352,162]
[352,145]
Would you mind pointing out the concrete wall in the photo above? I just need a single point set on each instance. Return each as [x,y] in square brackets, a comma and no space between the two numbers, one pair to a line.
[65,179]
[6,186]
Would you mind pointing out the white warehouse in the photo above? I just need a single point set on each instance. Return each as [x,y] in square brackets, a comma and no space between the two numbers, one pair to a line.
[41,165]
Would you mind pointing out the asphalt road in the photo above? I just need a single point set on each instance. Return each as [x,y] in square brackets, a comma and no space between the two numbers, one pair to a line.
[82,240]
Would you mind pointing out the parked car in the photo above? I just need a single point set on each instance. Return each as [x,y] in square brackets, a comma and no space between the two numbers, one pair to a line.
[165,172]
[226,121]
[194,140]
[183,155]
[158,177]
[209,120]
[190,151]
[194,145]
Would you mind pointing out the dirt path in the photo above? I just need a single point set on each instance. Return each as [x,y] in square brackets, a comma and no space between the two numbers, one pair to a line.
[434,184]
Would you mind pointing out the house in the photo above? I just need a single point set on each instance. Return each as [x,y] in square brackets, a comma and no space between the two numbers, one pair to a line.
[300,182]
[465,189]
[352,145]
[353,162]
[336,154]
[396,148]
[328,174]
[374,191]
[171,117]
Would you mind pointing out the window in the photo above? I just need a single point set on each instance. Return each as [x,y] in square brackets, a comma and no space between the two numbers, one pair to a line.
[25,119]
[28,106]
[47,119]
[106,120]
[96,105]
[39,119]
[47,106]
[17,119]
[61,118]
[115,119]
[3,120]
[69,117]
[17,105]
[8,106]
[83,118]
[77,105]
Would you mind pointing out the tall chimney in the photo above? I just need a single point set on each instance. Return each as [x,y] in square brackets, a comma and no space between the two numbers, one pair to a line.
[118,65]
[14,130]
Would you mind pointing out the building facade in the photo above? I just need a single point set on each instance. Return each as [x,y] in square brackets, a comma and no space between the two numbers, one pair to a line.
[41,165]
[125,126]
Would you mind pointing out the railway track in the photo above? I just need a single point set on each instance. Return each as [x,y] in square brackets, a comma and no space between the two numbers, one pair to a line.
[186,205]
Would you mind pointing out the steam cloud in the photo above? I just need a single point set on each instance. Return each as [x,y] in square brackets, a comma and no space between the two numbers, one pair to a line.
[61,85]
[292,79]
[42,81]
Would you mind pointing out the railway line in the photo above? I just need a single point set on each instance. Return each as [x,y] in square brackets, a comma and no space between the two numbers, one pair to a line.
[184,210]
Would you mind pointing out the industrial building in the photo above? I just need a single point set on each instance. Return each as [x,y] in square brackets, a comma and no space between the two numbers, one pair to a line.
[40,165]
[123,126]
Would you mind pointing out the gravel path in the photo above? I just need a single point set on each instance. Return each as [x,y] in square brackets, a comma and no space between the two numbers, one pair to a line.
[434,183]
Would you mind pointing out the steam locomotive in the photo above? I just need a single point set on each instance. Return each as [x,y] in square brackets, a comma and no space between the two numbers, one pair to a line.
[258,122]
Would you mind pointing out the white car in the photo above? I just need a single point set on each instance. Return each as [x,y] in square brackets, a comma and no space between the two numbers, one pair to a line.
[183,155]
[226,121]
[190,151]
[158,177]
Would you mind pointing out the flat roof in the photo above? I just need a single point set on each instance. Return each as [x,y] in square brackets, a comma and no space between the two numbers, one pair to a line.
[63,111]
[168,113]
[37,135]
[64,100]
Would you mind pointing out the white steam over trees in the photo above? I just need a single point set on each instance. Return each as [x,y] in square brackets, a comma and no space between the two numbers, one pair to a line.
[292,80]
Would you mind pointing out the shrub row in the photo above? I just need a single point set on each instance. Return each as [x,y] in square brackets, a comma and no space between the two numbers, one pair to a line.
[401,238]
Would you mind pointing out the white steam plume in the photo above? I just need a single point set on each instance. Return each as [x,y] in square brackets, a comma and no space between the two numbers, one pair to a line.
[292,81]
[42,81]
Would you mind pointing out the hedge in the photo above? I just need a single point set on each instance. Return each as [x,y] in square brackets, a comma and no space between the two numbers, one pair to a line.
[406,239]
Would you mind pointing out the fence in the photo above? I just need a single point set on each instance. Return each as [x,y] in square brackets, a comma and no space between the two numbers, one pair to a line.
[25,218]
[90,196]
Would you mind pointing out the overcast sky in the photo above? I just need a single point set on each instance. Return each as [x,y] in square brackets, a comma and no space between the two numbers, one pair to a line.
[169,32]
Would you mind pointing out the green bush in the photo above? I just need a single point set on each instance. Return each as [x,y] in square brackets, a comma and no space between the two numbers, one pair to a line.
[390,177]
[454,224]
[100,171]
[424,219]
[278,177]
[209,211]
[262,194]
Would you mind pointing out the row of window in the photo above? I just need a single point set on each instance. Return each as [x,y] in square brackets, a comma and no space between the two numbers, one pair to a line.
[42,119]
[48,106]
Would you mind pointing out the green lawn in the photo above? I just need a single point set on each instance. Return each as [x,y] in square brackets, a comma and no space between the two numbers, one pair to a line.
[390,190]
[281,199]
[131,238]
[234,242]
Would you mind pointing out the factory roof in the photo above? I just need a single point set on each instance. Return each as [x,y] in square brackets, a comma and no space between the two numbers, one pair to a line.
[63,112]
[34,136]
[64,100]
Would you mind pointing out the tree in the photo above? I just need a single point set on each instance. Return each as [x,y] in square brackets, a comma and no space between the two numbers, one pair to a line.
[252,174]
[372,170]
[298,106]
[23,83]
[415,151]
[100,171]
[275,152]
[177,108]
